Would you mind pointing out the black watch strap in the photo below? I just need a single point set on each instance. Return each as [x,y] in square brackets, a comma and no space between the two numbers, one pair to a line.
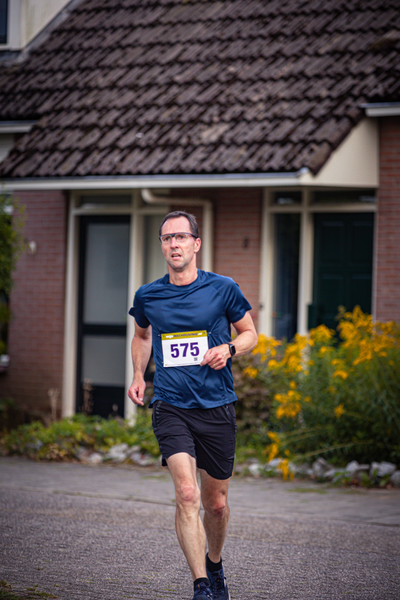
[232,349]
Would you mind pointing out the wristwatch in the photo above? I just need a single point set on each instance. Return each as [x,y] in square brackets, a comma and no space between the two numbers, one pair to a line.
[232,349]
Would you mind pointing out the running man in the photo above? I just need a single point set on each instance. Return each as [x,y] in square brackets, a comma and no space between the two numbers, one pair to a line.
[186,318]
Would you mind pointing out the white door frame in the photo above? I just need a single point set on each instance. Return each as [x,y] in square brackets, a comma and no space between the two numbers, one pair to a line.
[137,211]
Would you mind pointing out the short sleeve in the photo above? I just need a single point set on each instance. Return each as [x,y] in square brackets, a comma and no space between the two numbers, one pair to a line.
[137,311]
[236,304]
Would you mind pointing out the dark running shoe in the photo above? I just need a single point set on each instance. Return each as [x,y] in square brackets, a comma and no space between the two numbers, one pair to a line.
[218,585]
[202,592]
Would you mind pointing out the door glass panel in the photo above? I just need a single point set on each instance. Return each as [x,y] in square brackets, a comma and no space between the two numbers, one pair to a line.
[103,302]
[104,359]
[286,274]
[106,273]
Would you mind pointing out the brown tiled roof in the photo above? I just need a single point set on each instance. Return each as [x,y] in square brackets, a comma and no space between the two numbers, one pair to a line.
[143,87]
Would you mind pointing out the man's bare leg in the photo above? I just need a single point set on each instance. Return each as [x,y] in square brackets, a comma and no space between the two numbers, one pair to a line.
[214,495]
[188,524]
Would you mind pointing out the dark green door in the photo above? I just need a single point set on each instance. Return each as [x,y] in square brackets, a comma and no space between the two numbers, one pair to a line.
[342,265]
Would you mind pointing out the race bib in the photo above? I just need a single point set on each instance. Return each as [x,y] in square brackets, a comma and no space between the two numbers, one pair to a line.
[184,349]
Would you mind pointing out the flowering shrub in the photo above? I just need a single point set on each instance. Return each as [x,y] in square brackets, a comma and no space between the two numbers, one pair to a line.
[336,397]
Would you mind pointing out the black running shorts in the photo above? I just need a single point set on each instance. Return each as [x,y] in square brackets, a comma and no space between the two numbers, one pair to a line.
[209,435]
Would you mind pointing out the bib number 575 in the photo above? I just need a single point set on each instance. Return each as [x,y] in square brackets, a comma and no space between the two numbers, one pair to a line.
[182,349]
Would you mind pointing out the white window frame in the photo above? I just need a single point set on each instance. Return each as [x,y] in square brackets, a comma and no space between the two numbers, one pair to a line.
[13,26]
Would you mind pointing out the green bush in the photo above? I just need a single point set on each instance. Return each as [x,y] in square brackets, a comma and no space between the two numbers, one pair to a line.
[334,397]
[62,439]
[253,408]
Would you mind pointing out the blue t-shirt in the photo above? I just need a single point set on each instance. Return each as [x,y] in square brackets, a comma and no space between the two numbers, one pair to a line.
[211,302]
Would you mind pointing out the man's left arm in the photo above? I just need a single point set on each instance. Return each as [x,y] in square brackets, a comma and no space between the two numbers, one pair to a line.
[244,342]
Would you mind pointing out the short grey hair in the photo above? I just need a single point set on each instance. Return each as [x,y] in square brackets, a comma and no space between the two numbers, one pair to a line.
[194,228]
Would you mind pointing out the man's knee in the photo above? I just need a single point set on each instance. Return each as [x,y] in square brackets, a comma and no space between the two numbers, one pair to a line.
[216,506]
[187,495]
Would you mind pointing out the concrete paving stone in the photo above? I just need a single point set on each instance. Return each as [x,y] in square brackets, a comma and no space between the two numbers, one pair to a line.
[105,533]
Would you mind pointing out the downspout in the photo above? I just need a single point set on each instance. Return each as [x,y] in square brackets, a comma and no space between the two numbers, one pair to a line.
[208,220]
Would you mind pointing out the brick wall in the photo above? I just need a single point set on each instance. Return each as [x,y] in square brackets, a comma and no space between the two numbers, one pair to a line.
[237,239]
[387,286]
[37,303]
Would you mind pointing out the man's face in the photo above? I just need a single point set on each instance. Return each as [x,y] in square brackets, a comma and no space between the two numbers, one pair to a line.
[179,255]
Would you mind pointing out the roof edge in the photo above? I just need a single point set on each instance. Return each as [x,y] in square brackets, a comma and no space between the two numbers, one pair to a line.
[16,126]
[156,181]
[382,109]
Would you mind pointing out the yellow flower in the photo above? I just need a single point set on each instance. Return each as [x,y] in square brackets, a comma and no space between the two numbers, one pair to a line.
[307,399]
[290,409]
[339,410]
[306,372]
[266,345]
[340,373]
[250,372]
[273,364]
[292,384]
[285,468]
[273,436]
[273,451]
[321,334]
[324,350]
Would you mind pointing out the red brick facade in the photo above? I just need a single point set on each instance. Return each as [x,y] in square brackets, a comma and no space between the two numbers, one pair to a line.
[387,251]
[36,332]
[237,239]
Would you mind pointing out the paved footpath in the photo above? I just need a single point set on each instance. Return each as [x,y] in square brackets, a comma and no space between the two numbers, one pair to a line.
[106,533]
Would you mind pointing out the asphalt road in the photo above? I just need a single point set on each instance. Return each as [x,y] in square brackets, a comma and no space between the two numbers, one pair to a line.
[107,533]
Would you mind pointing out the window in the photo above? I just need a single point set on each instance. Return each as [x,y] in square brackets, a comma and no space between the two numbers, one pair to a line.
[287,198]
[3,21]
[347,196]
[287,247]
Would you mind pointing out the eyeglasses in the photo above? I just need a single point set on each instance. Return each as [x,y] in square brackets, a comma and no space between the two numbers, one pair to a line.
[180,237]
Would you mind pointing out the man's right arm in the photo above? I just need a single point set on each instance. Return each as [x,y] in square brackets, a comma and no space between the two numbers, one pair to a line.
[141,352]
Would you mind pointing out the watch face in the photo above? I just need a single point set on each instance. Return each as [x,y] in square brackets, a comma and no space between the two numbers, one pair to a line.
[232,349]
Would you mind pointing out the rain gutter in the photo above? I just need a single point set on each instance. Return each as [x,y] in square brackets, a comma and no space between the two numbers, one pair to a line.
[157,181]
[382,109]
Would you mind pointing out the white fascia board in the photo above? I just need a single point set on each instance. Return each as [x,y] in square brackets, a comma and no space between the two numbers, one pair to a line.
[384,109]
[156,181]
[16,126]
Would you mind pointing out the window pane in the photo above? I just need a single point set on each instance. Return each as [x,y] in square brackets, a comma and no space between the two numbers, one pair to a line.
[345,196]
[104,199]
[287,228]
[106,274]
[3,21]
[287,198]
[104,360]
